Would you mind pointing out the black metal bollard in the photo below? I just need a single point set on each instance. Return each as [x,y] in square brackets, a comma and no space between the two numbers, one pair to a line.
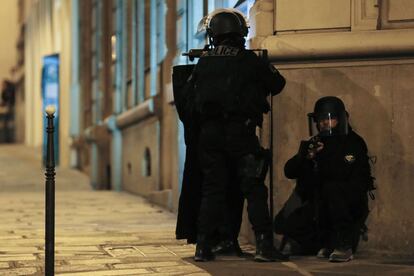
[50,196]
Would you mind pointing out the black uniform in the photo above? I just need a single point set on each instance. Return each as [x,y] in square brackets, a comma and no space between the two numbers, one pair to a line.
[190,196]
[227,95]
[333,192]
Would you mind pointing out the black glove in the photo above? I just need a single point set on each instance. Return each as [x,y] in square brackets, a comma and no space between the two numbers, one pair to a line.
[303,149]
[310,147]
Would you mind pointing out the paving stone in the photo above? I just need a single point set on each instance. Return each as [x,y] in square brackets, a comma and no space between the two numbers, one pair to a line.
[20,271]
[93,240]
[109,272]
[406,271]
[169,258]
[23,242]
[200,274]
[85,254]
[178,273]
[95,261]
[161,254]
[185,269]
[10,237]
[21,257]
[148,264]
[80,268]
[203,273]
[88,256]
[355,268]
[75,257]
[123,251]
[19,249]
[31,263]
[185,255]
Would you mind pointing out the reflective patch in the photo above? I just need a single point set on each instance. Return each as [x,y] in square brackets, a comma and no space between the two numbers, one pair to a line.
[349,158]
[222,51]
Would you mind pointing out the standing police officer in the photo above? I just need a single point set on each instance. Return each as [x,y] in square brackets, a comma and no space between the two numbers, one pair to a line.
[333,174]
[227,95]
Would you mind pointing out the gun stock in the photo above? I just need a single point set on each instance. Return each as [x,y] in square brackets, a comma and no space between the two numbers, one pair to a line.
[194,53]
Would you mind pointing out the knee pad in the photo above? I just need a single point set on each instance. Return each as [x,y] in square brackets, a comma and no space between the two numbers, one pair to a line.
[255,165]
[247,167]
[252,170]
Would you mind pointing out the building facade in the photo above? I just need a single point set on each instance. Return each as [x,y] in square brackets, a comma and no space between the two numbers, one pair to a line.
[361,51]
[128,137]
[45,30]
[119,123]
[8,55]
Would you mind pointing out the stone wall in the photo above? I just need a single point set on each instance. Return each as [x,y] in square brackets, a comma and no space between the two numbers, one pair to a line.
[378,98]
[140,157]
[361,51]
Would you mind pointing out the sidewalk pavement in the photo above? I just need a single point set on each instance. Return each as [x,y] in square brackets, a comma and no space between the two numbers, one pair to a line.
[111,233]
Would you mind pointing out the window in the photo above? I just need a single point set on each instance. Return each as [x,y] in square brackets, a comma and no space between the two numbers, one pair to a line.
[85,10]
[108,41]
[128,39]
[146,163]
[140,34]
[96,59]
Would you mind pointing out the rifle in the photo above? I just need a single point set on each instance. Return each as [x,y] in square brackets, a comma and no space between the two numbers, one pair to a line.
[197,53]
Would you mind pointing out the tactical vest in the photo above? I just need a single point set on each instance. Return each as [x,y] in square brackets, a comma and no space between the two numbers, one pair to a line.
[226,84]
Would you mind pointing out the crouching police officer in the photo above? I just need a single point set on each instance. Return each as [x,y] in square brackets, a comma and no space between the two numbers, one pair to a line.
[227,93]
[333,174]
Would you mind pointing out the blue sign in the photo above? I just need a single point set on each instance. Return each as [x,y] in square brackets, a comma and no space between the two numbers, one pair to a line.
[50,96]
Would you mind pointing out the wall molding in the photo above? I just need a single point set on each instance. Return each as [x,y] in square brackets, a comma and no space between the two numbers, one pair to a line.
[339,45]
[136,114]
[364,15]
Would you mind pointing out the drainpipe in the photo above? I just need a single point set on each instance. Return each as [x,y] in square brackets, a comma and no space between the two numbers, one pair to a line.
[116,146]
[97,98]
[75,87]
[141,50]
[153,47]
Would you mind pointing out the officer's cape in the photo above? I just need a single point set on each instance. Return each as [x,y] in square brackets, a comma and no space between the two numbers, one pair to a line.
[190,197]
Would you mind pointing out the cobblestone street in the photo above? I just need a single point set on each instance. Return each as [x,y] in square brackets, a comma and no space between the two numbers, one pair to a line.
[110,233]
[97,233]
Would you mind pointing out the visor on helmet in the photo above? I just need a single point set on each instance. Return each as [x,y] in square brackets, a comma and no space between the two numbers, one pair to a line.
[328,124]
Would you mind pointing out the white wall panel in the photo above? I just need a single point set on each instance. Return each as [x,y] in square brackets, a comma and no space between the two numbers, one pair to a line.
[400,10]
[364,15]
[292,15]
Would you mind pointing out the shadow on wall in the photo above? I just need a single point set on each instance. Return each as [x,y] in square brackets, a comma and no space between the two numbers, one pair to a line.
[375,97]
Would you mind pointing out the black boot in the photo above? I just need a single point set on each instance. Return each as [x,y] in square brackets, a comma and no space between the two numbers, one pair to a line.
[203,251]
[228,248]
[265,251]
[343,247]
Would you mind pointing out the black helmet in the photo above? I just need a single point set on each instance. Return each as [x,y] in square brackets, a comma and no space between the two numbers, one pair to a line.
[225,21]
[329,117]
[329,104]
